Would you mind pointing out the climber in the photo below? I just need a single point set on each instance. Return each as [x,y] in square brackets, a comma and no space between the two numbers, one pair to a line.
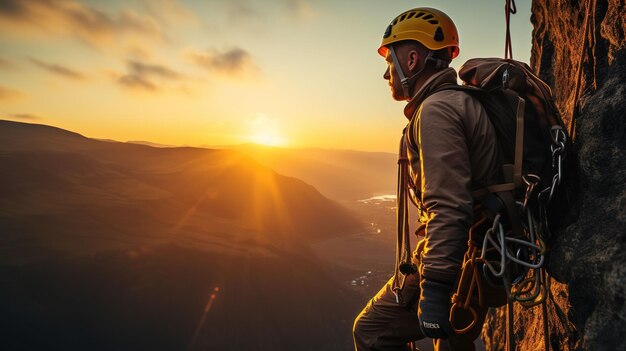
[451,149]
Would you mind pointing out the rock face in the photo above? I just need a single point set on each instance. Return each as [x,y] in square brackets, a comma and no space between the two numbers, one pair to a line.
[579,49]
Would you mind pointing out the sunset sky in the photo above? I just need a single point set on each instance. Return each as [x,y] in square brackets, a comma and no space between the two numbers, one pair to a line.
[301,73]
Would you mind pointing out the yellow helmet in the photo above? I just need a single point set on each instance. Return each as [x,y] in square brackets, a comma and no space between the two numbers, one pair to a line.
[431,27]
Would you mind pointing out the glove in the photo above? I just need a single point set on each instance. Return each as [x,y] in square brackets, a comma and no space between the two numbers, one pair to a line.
[434,309]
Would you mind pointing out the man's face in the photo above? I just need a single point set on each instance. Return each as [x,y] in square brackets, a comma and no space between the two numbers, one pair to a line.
[391,75]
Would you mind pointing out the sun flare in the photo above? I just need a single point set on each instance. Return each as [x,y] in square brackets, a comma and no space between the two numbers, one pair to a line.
[269,139]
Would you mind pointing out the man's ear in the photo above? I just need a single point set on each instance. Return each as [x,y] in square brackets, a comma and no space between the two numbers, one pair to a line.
[413,60]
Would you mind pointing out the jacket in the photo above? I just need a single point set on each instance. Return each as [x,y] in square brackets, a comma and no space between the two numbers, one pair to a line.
[452,150]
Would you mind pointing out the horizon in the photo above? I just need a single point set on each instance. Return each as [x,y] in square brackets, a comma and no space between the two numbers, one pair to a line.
[150,143]
[288,73]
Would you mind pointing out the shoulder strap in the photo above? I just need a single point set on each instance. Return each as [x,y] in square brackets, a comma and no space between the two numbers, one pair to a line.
[409,136]
[519,136]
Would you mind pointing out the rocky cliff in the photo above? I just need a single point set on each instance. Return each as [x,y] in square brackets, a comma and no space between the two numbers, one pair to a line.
[579,49]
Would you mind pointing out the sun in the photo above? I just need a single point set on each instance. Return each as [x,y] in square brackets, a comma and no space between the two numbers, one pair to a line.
[269,138]
[265,130]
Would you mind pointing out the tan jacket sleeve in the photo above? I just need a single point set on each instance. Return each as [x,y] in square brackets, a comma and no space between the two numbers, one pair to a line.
[445,177]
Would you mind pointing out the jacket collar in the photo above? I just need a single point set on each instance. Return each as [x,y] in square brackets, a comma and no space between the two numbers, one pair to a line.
[446,76]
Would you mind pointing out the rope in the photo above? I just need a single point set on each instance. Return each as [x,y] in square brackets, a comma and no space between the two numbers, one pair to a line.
[509,9]
[544,311]
[404,265]
[510,328]
[579,71]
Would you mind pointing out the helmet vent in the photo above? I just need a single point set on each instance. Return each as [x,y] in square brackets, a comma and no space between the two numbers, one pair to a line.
[433,22]
[427,17]
[410,15]
[438,34]
[394,22]
[387,32]
[402,18]
[419,15]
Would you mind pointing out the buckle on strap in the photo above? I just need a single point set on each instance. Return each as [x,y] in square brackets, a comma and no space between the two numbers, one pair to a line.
[497,188]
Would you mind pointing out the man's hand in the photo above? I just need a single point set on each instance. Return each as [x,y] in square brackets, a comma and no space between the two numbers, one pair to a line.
[434,310]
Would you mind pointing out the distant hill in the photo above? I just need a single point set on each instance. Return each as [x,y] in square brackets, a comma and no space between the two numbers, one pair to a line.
[48,167]
[149,143]
[111,246]
[343,175]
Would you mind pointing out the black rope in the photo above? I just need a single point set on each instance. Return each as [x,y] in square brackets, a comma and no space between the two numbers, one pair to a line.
[509,9]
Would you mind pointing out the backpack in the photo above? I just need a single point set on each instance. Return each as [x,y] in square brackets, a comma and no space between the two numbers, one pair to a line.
[532,199]
[514,96]
[527,205]
[524,208]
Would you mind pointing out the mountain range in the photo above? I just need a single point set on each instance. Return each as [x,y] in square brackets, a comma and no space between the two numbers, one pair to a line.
[119,246]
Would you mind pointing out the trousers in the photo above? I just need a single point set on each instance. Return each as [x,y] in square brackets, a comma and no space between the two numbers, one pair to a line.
[386,325]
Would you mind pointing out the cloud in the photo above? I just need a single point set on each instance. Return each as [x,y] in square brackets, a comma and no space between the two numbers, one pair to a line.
[137,82]
[144,69]
[144,76]
[234,61]
[237,10]
[9,94]
[87,23]
[138,52]
[58,69]
[25,116]
[301,9]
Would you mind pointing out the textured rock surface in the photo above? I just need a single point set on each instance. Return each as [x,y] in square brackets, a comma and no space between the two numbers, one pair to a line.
[579,48]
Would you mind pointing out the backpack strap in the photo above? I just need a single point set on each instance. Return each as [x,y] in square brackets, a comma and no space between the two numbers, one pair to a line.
[512,177]
[519,142]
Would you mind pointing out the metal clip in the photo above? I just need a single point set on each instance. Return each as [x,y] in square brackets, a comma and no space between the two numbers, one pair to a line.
[395,293]
[543,200]
[559,169]
[531,181]
[558,149]
[555,182]
[558,136]
[505,79]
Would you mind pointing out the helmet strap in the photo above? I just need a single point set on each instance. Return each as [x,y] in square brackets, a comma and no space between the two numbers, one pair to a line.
[406,80]
[403,79]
